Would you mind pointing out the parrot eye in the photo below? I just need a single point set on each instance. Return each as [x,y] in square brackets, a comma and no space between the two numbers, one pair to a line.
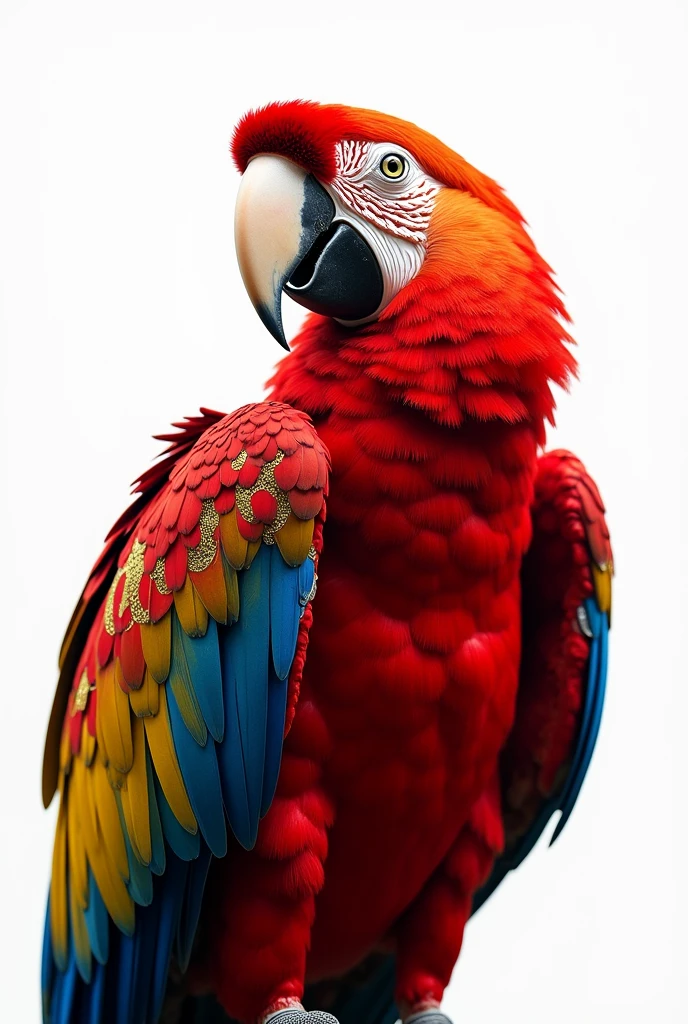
[394,166]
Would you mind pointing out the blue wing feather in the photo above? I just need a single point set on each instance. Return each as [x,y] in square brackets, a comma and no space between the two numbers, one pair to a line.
[47,963]
[140,884]
[597,682]
[202,656]
[277,709]
[126,976]
[239,677]
[191,907]
[245,654]
[285,593]
[184,844]
[306,573]
[202,780]
[65,991]
[564,801]
[174,885]
[93,1002]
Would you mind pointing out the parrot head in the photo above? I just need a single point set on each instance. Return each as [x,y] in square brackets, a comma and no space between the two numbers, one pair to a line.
[363,217]
[340,207]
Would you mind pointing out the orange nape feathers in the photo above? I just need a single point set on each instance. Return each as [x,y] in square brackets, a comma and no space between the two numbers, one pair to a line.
[308,132]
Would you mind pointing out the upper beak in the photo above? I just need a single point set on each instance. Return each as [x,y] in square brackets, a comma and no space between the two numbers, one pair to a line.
[280,212]
[287,239]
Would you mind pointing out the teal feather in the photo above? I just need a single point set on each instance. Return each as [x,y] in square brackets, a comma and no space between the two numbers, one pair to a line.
[97,921]
[184,844]
[180,680]
[157,864]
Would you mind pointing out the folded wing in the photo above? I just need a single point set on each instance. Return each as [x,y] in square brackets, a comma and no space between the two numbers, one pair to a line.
[566,602]
[182,689]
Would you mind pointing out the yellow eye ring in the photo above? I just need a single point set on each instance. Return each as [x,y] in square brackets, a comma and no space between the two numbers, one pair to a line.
[393,166]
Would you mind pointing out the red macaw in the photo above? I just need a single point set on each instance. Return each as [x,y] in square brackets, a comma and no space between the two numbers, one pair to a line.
[382,753]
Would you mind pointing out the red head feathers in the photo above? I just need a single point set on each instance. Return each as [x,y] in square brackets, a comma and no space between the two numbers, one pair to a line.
[308,132]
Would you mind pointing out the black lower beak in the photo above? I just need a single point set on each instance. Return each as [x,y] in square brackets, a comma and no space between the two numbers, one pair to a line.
[339,276]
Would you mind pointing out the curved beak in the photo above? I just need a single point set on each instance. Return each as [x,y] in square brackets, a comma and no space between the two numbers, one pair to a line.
[280,212]
[287,239]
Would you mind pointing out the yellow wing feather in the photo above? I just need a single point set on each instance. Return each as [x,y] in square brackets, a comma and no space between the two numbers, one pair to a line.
[156,640]
[115,719]
[58,889]
[190,609]
[135,798]
[146,700]
[159,735]
[78,872]
[234,545]
[105,799]
[294,539]
[211,588]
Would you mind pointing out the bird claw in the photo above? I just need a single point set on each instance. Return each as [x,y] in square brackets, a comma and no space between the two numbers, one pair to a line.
[296,1015]
[428,1017]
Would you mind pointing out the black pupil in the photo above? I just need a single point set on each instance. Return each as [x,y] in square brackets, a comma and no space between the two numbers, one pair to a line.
[393,166]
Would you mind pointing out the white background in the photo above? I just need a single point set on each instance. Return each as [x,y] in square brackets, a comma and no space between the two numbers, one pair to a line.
[122,309]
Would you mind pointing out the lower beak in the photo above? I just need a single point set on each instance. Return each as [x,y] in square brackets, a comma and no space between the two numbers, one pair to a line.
[287,239]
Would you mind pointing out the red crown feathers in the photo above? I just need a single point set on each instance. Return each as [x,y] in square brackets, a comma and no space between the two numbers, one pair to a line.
[308,132]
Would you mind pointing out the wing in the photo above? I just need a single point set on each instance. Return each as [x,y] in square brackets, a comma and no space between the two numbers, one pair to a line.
[180,698]
[566,602]
[148,486]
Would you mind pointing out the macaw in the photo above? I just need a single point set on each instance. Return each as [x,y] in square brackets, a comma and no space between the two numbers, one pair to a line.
[272,800]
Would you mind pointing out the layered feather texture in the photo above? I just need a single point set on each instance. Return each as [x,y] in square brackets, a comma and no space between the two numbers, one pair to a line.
[178,708]
[433,415]
[567,578]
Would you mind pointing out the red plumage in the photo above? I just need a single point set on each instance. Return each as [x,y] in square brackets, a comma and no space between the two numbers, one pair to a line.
[390,807]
